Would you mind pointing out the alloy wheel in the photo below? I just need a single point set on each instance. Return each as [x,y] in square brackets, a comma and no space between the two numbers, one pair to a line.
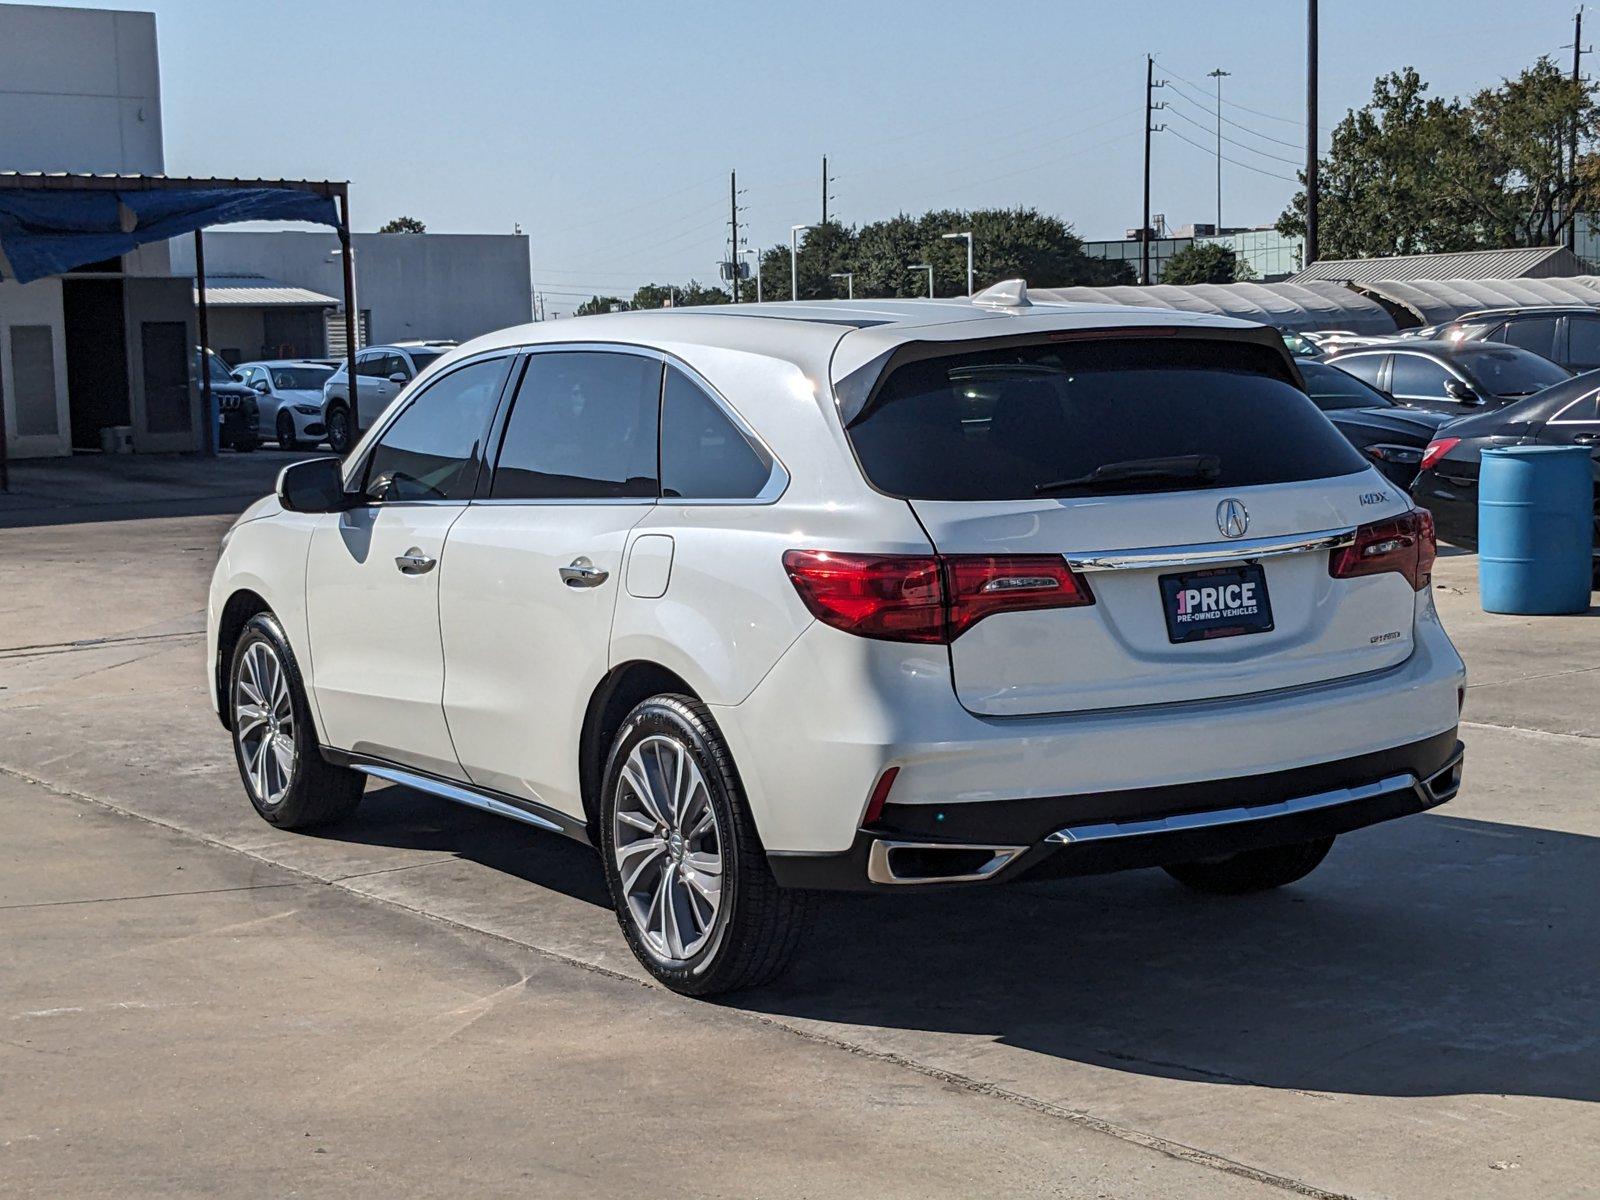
[263,721]
[667,846]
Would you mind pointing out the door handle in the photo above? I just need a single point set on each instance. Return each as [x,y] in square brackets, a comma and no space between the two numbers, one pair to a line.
[583,573]
[415,562]
[1586,439]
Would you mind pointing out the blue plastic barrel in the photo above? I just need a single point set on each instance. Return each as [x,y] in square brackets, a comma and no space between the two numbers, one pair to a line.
[1535,529]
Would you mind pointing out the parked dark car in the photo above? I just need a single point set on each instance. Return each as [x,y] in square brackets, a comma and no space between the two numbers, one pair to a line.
[1565,415]
[1457,377]
[237,411]
[1392,435]
[1569,335]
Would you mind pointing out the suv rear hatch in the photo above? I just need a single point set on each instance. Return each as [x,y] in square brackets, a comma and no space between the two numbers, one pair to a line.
[1195,490]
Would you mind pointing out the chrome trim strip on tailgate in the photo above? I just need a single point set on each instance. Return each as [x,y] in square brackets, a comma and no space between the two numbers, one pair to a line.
[1200,554]
[1112,830]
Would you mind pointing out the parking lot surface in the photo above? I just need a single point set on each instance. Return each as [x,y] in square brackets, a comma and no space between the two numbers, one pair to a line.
[426,997]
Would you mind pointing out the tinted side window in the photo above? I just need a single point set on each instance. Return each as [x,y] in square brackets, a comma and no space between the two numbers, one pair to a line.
[1583,348]
[583,427]
[370,367]
[1414,375]
[1585,409]
[1533,333]
[703,454]
[1362,366]
[433,448]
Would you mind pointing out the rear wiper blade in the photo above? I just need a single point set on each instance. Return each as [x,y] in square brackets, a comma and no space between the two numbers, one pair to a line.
[1204,467]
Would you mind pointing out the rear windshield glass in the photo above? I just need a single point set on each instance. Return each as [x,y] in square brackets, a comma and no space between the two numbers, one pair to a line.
[1510,371]
[1090,418]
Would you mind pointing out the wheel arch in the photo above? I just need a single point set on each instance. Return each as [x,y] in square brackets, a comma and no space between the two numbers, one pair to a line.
[243,604]
[623,687]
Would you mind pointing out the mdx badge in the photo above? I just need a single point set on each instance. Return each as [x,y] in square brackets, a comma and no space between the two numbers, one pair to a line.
[1233,518]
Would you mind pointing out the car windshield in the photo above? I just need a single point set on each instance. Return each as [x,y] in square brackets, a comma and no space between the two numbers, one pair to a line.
[299,379]
[1092,418]
[220,371]
[1331,389]
[1509,371]
[1300,347]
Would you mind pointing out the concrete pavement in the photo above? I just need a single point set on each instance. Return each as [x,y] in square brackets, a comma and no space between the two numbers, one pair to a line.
[1421,1017]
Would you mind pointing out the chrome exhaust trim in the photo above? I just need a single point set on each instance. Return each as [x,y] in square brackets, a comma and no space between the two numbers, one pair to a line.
[880,864]
[1444,783]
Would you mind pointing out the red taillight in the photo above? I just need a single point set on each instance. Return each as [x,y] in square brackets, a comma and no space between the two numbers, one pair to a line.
[1436,450]
[927,598]
[1405,544]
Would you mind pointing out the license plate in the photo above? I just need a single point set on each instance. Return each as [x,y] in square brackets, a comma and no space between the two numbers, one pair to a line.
[1225,602]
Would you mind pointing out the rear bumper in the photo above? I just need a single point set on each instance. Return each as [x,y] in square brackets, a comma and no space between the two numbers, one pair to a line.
[1146,827]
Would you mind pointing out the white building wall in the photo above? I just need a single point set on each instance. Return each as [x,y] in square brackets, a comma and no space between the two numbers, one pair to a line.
[414,285]
[80,90]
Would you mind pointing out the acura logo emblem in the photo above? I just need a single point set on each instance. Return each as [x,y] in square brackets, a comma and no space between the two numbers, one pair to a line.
[1232,518]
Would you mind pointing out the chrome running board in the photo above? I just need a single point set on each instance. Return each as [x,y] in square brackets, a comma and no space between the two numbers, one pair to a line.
[1213,818]
[459,794]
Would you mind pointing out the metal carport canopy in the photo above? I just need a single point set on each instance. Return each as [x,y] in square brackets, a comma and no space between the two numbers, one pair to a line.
[1436,301]
[1292,306]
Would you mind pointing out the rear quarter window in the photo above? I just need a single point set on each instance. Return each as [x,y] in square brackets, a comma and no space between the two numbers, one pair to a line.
[1015,423]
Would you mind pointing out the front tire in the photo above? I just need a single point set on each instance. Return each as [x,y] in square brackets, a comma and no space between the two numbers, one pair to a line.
[1252,870]
[688,876]
[286,435]
[274,740]
[339,432]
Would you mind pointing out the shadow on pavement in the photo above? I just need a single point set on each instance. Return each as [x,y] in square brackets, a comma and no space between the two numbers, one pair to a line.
[1430,956]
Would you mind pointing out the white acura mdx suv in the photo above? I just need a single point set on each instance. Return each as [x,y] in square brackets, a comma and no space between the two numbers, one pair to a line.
[770,598]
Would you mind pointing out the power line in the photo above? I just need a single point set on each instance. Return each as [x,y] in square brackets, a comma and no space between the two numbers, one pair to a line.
[1253,132]
[1293,162]
[1235,104]
[1206,150]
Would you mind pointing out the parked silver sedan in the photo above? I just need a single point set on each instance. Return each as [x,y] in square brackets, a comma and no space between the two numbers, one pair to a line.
[289,394]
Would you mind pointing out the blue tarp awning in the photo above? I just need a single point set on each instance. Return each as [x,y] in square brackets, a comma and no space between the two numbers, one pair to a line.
[46,231]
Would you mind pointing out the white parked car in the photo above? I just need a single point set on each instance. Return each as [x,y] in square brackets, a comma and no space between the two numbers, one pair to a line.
[381,371]
[290,399]
[869,595]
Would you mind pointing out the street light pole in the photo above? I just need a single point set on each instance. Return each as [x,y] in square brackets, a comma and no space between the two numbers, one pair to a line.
[849,278]
[928,267]
[1219,75]
[794,259]
[971,281]
[755,256]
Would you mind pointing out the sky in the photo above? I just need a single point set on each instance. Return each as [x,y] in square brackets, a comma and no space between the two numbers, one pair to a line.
[607,129]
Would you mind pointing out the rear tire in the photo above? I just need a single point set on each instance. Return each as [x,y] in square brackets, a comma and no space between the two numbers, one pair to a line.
[698,906]
[1252,870]
[274,739]
[339,433]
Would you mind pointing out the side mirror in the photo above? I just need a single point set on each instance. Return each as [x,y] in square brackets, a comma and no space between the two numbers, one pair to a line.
[261,386]
[1461,393]
[399,377]
[314,486]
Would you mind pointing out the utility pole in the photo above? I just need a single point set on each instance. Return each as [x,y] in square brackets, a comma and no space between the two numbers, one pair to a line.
[1219,75]
[1578,52]
[1150,85]
[1310,255]
[733,237]
[824,189]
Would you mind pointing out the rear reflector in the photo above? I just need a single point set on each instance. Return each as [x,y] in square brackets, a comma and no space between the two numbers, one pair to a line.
[1405,544]
[879,797]
[1436,450]
[927,598]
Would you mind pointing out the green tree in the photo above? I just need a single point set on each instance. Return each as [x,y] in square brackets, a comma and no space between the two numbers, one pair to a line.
[599,304]
[1411,173]
[656,295]
[403,225]
[1206,262]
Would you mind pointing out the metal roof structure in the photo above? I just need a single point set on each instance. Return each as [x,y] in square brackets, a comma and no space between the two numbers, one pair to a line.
[257,291]
[1533,262]
[1435,301]
[1316,305]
